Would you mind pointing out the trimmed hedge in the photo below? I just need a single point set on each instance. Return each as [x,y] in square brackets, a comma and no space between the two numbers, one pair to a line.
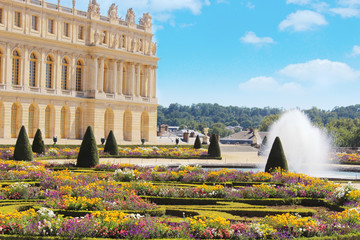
[38,145]
[89,154]
[23,149]
[111,145]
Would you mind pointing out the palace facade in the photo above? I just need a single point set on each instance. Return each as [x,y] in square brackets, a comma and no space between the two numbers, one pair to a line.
[62,69]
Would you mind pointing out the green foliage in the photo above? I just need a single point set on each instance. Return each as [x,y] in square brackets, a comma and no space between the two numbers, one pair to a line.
[88,154]
[38,145]
[111,145]
[23,148]
[220,129]
[268,121]
[197,144]
[345,132]
[214,147]
[276,157]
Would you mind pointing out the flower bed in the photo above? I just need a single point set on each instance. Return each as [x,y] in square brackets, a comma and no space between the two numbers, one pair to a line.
[105,195]
[346,158]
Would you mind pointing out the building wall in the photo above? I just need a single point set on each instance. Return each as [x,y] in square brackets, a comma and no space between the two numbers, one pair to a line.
[76,69]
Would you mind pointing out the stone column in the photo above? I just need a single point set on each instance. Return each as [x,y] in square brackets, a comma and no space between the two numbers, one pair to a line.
[153,82]
[138,79]
[148,81]
[115,78]
[58,64]
[3,67]
[95,74]
[101,76]
[42,67]
[120,77]
[26,68]
[8,66]
[72,73]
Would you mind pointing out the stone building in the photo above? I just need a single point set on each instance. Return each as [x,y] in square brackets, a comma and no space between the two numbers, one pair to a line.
[62,69]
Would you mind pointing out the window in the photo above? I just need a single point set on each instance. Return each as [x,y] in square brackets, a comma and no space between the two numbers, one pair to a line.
[33,64]
[81,33]
[17,19]
[64,74]
[51,26]
[35,23]
[15,68]
[79,69]
[49,72]
[66,29]
[1,15]
[31,120]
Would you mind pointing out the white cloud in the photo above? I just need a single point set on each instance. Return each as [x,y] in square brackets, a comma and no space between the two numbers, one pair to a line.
[269,84]
[249,5]
[356,50]
[299,2]
[302,20]
[321,72]
[346,12]
[250,37]
[350,3]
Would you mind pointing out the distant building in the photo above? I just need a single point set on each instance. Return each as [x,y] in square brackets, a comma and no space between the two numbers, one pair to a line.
[251,137]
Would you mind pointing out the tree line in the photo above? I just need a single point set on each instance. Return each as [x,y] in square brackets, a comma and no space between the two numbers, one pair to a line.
[343,123]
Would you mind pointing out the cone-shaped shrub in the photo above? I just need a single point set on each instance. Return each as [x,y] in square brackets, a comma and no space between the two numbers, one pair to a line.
[264,141]
[214,148]
[88,154]
[38,145]
[111,146]
[197,144]
[276,157]
[23,148]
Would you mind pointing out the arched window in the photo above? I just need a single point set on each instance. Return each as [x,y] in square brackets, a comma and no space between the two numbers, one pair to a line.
[49,72]
[64,74]
[78,123]
[127,127]
[33,68]
[79,71]
[64,122]
[31,120]
[16,68]
[144,128]
[15,119]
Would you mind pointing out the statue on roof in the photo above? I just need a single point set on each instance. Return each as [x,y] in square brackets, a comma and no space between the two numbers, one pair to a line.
[146,21]
[113,12]
[94,8]
[130,17]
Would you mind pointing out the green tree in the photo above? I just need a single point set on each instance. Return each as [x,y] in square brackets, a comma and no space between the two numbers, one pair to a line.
[276,157]
[268,121]
[38,145]
[22,149]
[197,143]
[344,131]
[111,145]
[88,154]
[214,147]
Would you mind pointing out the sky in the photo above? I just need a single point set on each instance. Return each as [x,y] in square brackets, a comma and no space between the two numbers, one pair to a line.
[253,53]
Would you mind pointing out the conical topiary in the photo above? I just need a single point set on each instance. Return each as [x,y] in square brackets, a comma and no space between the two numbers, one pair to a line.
[214,148]
[264,141]
[88,154]
[23,148]
[276,157]
[38,145]
[111,146]
[197,144]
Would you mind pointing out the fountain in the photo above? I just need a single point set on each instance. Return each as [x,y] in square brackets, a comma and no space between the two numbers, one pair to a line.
[306,147]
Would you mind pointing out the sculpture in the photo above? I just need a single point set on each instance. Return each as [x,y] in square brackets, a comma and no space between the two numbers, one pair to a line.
[154,48]
[112,13]
[146,21]
[96,37]
[121,41]
[133,45]
[130,17]
[94,8]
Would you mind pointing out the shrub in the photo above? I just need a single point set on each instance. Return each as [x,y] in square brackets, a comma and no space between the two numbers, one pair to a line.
[276,157]
[111,146]
[214,148]
[88,154]
[22,149]
[38,145]
[197,144]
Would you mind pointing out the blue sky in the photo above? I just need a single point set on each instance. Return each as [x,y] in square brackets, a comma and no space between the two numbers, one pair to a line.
[254,53]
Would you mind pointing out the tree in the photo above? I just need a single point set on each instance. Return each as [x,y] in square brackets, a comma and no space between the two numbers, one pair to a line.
[344,131]
[276,157]
[38,145]
[267,122]
[111,145]
[214,147]
[23,148]
[197,144]
[88,154]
